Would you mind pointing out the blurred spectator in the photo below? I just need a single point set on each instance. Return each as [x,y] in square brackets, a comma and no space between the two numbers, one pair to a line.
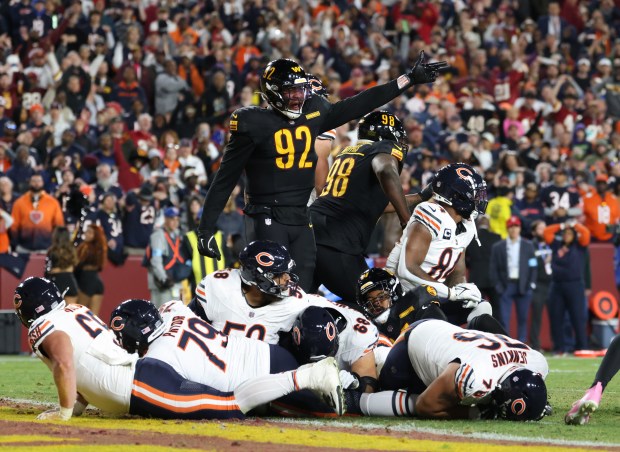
[107,217]
[513,268]
[35,216]
[168,90]
[561,200]
[601,211]
[91,255]
[541,291]
[568,242]
[478,260]
[215,105]
[7,195]
[499,209]
[60,262]
[530,208]
[138,220]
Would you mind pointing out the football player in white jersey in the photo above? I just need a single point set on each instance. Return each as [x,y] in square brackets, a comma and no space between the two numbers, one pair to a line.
[255,370]
[452,373]
[88,365]
[432,247]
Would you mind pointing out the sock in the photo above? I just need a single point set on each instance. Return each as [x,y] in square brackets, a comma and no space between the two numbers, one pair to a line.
[388,403]
[610,364]
[261,390]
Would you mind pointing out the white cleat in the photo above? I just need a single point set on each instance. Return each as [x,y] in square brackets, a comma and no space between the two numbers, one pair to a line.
[323,378]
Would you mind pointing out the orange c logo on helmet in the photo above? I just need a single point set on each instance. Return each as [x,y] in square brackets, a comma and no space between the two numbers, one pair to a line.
[117,323]
[265,259]
[518,407]
[330,330]
[17,300]
[464,173]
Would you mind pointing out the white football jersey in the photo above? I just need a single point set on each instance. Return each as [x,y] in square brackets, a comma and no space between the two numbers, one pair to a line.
[104,371]
[484,358]
[200,353]
[225,306]
[444,250]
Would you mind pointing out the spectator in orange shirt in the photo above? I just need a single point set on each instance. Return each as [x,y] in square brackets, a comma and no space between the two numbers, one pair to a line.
[245,50]
[183,29]
[601,210]
[6,221]
[35,216]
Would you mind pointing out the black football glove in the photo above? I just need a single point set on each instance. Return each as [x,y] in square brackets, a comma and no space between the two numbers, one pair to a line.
[207,245]
[422,73]
[427,192]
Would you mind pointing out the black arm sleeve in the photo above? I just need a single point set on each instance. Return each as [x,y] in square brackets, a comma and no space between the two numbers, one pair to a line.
[235,157]
[354,107]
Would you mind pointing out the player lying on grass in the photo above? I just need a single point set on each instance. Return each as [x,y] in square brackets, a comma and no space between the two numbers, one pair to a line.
[580,413]
[256,371]
[438,370]
[88,366]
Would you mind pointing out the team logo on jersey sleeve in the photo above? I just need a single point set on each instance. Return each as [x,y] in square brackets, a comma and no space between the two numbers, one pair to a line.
[265,259]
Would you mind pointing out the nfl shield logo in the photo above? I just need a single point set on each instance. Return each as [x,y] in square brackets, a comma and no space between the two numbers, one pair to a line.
[251,314]
[268,221]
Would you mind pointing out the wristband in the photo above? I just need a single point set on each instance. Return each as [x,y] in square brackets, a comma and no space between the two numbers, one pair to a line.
[65,413]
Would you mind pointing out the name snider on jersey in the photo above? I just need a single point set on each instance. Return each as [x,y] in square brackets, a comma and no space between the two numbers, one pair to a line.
[358,338]
[226,308]
[447,243]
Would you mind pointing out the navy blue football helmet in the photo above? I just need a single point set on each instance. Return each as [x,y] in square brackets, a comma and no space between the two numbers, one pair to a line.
[316,86]
[262,261]
[315,335]
[284,85]
[136,323]
[383,125]
[35,297]
[377,279]
[459,185]
[521,396]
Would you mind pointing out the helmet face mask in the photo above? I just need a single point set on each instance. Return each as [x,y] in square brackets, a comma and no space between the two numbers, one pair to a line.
[374,286]
[521,395]
[285,87]
[268,266]
[382,125]
[315,335]
[34,297]
[136,323]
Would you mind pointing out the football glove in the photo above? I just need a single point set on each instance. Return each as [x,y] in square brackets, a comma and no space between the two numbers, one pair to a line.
[468,293]
[207,245]
[56,414]
[427,192]
[422,72]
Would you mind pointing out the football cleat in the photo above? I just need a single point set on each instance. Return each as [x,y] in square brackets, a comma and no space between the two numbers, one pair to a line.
[323,378]
[580,413]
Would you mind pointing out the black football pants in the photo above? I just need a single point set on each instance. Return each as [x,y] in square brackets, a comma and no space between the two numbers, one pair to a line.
[338,271]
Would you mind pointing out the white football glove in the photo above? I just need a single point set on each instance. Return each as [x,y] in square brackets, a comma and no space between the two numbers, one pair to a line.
[56,414]
[468,293]
[348,380]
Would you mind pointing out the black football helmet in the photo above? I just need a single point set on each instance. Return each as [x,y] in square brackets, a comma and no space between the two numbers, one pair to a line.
[461,187]
[35,297]
[382,125]
[284,85]
[377,279]
[262,261]
[315,335]
[316,86]
[136,323]
[521,395]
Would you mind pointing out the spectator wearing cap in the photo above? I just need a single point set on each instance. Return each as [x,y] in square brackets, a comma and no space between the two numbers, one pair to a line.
[530,208]
[561,200]
[188,160]
[35,120]
[514,270]
[168,89]
[43,70]
[56,122]
[568,242]
[164,260]
[35,216]
[139,219]
[583,76]
[214,106]
[601,210]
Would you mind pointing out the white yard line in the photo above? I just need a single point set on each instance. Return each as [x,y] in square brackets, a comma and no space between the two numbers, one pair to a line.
[412,427]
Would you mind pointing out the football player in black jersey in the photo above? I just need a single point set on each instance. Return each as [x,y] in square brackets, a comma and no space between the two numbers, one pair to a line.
[361,182]
[275,147]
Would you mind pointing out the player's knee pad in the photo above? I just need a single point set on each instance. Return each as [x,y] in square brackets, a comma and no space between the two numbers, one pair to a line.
[484,307]
[487,323]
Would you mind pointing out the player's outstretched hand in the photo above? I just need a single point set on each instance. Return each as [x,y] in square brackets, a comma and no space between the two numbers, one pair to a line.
[468,293]
[56,414]
[207,245]
[422,72]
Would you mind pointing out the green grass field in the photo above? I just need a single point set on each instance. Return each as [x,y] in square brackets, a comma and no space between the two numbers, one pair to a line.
[26,378]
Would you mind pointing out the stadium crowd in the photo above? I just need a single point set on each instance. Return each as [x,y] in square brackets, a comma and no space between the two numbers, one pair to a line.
[129,103]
